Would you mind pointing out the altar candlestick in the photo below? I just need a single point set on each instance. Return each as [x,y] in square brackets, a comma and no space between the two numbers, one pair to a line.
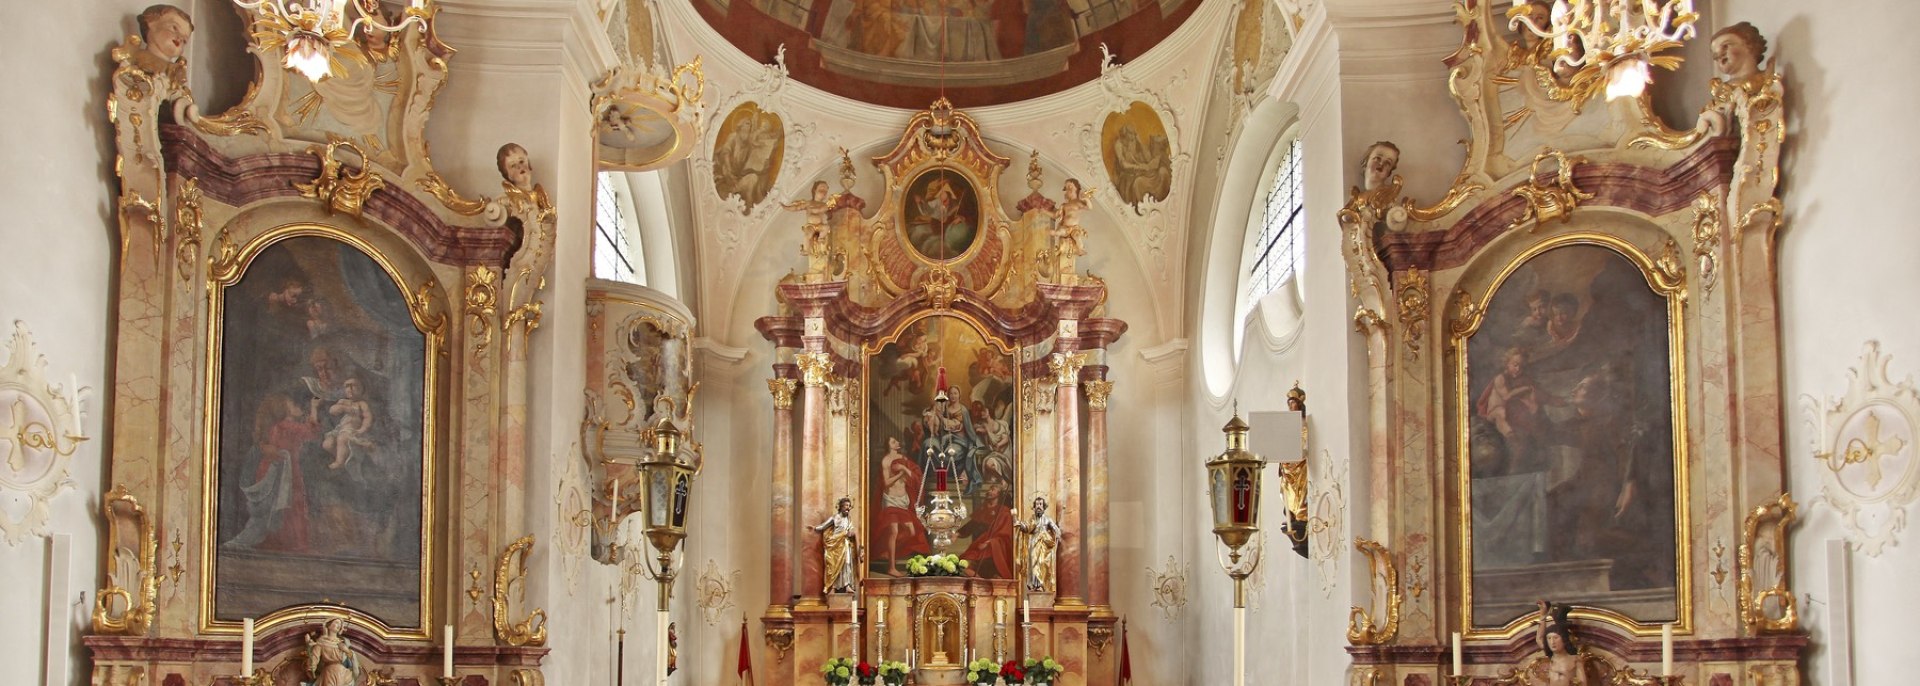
[1666,650]
[1026,610]
[246,647]
[1456,654]
[446,654]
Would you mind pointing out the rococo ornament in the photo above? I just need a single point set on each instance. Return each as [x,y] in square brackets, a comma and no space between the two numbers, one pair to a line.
[1865,442]
[511,569]
[41,426]
[1765,528]
[1362,629]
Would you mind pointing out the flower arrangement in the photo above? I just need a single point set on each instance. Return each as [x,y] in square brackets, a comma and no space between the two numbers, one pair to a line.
[893,673]
[838,671]
[1013,673]
[1043,670]
[982,671]
[866,673]
[947,564]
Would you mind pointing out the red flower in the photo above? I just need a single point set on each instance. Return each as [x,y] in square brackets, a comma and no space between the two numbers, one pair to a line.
[866,670]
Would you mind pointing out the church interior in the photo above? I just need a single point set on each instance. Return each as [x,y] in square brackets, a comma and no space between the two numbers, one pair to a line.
[1059,342]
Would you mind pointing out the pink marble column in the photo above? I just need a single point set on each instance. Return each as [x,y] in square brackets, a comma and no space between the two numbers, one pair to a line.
[780,572]
[1097,536]
[815,486]
[1069,587]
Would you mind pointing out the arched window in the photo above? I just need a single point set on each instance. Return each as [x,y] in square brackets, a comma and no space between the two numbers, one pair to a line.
[1277,251]
[616,244]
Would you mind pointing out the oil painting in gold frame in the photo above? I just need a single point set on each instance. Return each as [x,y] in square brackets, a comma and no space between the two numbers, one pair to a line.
[1570,423]
[321,437]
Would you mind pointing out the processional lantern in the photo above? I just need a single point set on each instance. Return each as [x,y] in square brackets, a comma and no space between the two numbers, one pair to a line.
[1234,479]
[944,512]
[666,479]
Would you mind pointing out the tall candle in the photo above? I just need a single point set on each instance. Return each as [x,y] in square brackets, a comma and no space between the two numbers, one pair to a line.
[1666,650]
[1026,610]
[246,647]
[616,502]
[853,610]
[1456,654]
[446,652]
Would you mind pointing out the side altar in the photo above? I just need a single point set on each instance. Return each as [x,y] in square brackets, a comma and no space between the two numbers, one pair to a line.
[940,389]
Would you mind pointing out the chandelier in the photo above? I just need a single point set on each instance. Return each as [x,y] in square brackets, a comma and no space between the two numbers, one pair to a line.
[314,33]
[1621,38]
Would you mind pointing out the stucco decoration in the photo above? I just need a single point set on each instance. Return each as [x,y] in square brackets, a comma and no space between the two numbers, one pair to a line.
[41,425]
[714,591]
[739,214]
[1326,530]
[1146,217]
[1865,439]
[575,520]
[1169,588]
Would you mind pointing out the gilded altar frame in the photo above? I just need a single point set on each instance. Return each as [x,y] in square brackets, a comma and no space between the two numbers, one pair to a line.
[1670,287]
[425,303]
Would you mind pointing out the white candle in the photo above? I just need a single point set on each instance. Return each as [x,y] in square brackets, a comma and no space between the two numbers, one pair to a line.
[1456,654]
[1666,650]
[246,647]
[853,610]
[446,653]
[1026,610]
[616,503]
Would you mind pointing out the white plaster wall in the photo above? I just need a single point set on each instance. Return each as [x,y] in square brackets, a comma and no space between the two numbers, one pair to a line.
[1846,274]
[56,273]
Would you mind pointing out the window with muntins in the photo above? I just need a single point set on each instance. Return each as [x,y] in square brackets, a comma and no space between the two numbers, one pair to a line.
[614,255]
[1277,250]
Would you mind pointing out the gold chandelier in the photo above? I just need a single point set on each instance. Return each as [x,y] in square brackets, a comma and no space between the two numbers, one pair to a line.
[1621,38]
[316,33]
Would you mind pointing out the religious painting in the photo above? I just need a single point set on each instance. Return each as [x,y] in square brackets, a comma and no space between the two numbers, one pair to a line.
[319,453]
[990,31]
[1137,154]
[941,416]
[942,214]
[747,154]
[1573,438]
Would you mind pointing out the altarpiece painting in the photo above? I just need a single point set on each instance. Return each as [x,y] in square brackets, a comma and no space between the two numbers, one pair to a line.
[1572,426]
[318,466]
[935,427]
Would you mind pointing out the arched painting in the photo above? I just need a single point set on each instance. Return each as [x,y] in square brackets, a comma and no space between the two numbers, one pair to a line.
[318,471]
[747,154]
[1573,439]
[941,406]
[1138,155]
[941,214]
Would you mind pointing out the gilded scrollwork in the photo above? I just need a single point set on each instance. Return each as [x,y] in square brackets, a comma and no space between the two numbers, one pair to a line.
[1764,532]
[1382,574]
[1411,299]
[1098,392]
[780,639]
[1066,367]
[188,218]
[1707,240]
[341,191]
[128,603]
[782,390]
[1552,200]
[482,299]
[815,368]
[510,570]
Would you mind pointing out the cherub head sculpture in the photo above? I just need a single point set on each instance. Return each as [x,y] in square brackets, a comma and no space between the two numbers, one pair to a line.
[1737,51]
[165,30]
[1377,168]
[514,166]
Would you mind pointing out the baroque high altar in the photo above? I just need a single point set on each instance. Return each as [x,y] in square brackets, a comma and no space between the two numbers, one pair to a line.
[940,388]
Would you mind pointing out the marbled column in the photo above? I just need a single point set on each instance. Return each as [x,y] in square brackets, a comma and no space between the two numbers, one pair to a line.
[1098,540]
[780,572]
[815,481]
[1070,584]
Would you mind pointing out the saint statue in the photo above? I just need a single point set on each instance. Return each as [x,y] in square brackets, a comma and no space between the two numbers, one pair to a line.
[1552,633]
[839,545]
[330,659]
[1043,539]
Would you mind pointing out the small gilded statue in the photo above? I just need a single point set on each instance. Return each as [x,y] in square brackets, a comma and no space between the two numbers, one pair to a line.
[840,546]
[1068,237]
[1043,539]
[815,231]
[330,659]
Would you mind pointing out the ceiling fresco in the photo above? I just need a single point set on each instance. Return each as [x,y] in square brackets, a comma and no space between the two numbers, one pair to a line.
[906,53]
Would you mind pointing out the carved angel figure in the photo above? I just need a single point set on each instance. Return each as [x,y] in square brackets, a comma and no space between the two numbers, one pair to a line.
[816,230]
[1066,233]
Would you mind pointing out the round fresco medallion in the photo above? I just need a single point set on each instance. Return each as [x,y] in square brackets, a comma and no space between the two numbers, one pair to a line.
[1139,159]
[941,217]
[747,153]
